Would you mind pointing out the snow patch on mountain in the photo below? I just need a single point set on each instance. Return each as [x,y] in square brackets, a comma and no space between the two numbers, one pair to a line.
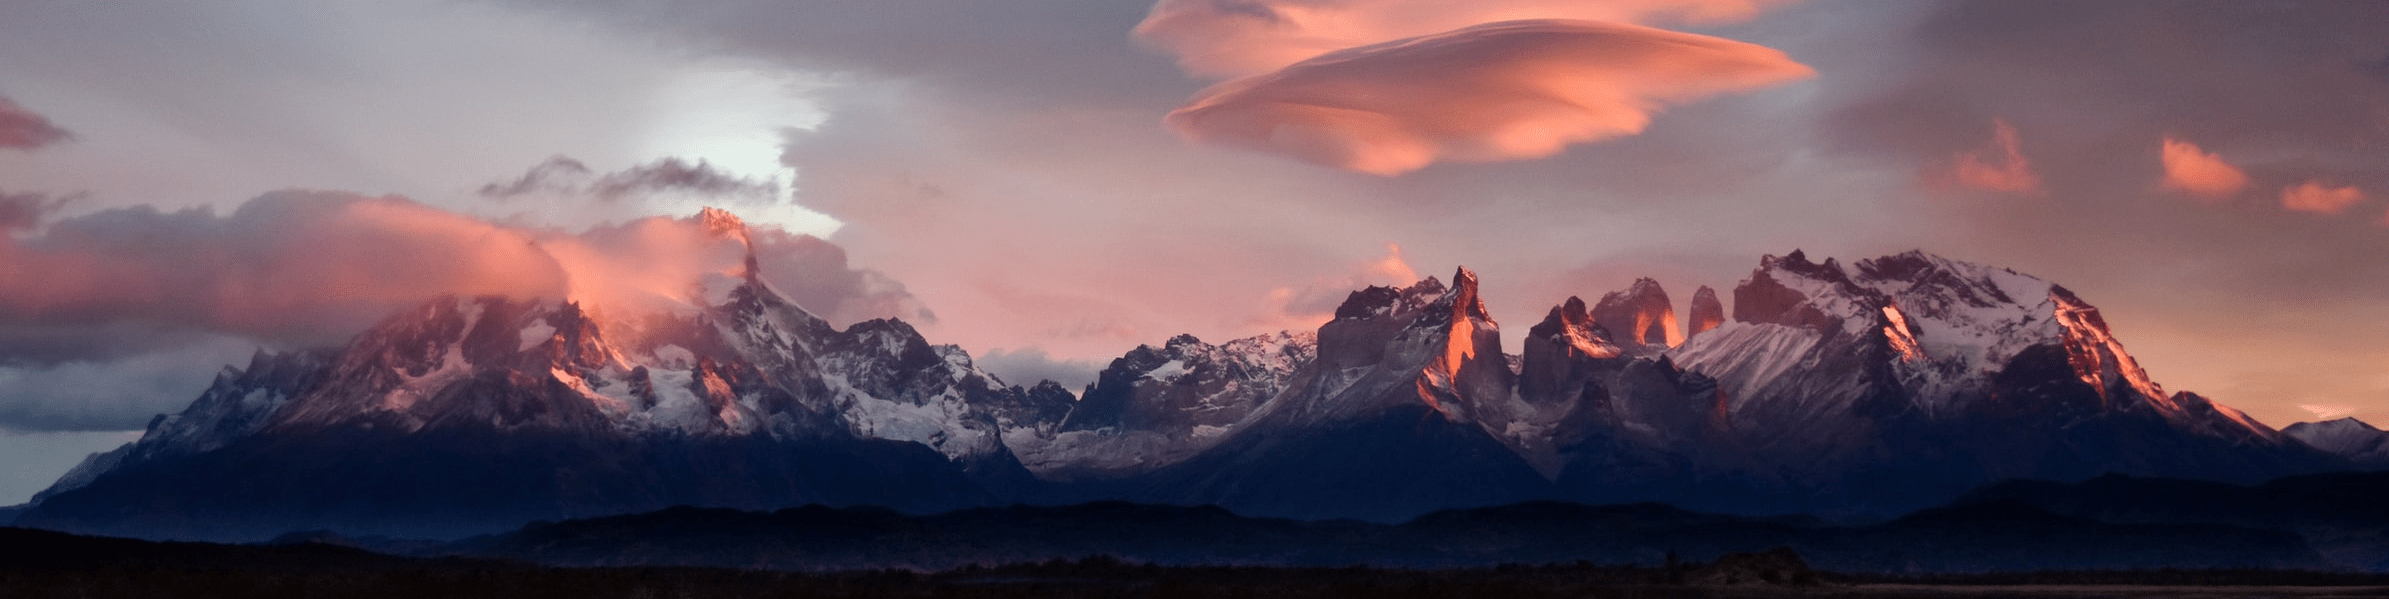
[2346,437]
[1158,405]
[534,334]
[1743,356]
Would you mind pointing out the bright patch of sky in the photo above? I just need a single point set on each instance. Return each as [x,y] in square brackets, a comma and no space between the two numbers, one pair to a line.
[39,458]
[734,118]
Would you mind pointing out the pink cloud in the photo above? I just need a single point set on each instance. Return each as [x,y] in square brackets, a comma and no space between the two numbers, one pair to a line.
[22,129]
[2314,196]
[1998,166]
[1501,91]
[1237,38]
[1393,268]
[24,210]
[2198,172]
[312,268]
[1306,307]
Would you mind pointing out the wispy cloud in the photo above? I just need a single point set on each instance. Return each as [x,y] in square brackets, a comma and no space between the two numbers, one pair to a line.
[1998,165]
[23,130]
[2314,196]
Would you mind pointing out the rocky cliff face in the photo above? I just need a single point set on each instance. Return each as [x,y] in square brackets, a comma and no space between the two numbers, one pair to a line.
[1640,315]
[1705,313]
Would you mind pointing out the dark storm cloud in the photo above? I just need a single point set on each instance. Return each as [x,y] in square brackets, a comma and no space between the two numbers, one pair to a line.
[563,175]
[121,393]
[560,174]
[22,129]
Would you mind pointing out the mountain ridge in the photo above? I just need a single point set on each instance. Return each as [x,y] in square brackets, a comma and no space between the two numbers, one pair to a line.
[1879,388]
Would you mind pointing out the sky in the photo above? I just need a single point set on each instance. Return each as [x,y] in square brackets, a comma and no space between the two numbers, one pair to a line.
[1048,183]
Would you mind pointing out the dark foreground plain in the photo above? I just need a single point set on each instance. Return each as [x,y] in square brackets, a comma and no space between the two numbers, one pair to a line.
[48,564]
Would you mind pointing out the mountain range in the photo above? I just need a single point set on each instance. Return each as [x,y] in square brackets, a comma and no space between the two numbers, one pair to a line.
[1858,391]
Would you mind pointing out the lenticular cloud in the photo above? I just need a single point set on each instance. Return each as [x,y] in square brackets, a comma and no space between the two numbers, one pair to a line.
[1239,38]
[1500,91]
[1392,86]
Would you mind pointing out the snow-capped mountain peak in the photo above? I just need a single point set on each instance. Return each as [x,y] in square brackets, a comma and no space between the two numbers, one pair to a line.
[745,361]
[1376,301]
[1943,330]
[1157,406]
[2346,437]
[1827,381]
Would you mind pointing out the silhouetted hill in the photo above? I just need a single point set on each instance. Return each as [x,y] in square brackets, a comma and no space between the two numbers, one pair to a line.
[48,564]
[1970,538]
[26,549]
[2341,515]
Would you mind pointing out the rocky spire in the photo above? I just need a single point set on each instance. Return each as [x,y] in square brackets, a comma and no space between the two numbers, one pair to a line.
[1640,315]
[1705,313]
[1551,363]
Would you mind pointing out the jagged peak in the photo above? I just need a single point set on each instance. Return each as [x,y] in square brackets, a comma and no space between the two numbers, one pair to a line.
[1642,314]
[1376,301]
[1797,263]
[1465,301]
[1917,273]
[1705,313]
[1182,341]
[1462,277]
[1571,325]
[1459,303]
[1568,314]
[889,337]
[1645,285]
[1571,312]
